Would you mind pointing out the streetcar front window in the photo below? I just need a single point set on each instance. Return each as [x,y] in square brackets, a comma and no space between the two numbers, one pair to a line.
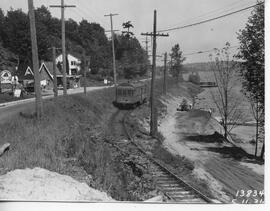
[130,92]
[119,91]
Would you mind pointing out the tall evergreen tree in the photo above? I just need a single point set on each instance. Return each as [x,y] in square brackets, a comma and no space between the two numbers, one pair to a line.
[177,60]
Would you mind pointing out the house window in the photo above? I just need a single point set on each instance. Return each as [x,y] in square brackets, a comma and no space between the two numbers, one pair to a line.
[73,62]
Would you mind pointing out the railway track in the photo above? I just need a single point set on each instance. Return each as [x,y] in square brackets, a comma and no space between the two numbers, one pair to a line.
[174,188]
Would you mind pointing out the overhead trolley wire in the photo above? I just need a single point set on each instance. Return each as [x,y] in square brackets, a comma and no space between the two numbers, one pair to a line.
[207,51]
[211,19]
[210,13]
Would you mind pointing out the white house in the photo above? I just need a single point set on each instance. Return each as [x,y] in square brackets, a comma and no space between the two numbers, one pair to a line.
[74,63]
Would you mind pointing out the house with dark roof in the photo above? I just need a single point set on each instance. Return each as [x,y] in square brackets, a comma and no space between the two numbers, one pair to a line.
[73,81]
[26,78]
[46,77]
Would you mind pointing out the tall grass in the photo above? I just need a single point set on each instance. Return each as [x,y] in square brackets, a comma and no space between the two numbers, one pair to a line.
[66,125]
[73,128]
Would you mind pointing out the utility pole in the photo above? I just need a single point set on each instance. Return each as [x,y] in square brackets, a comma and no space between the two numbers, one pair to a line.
[157,56]
[113,51]
[147,51]
[39,109]
[1,84]
[154,34]
[84,72]
[146,45]
[55,89]
[171,63]
[63,6]
[165,75]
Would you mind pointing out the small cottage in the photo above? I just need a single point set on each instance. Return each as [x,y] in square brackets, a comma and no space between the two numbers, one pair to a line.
[46,77]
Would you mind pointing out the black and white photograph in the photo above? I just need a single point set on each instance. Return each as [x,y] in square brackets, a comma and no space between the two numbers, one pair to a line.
[133,101]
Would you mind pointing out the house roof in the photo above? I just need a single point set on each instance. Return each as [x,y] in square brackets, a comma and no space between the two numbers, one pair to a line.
[21,72]
[76,55]
[26,72]
[49,68]
[11,69]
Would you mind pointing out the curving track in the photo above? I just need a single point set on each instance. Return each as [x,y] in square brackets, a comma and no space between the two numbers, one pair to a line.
[173,187]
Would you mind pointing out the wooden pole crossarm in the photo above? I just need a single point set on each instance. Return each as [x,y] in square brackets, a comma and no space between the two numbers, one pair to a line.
[60,6]
[111,14]
[116,30]
[155,34]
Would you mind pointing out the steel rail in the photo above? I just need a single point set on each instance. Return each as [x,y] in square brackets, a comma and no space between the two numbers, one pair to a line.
[163,167]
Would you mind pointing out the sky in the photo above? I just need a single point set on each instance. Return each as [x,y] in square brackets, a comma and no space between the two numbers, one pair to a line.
[170,13]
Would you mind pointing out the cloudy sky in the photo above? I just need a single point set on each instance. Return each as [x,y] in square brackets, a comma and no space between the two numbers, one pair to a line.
[170,13]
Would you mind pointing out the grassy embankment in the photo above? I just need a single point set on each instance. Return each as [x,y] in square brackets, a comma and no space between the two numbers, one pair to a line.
[70,140]
[6,97]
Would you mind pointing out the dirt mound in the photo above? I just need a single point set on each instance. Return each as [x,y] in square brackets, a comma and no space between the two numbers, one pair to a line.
[214,138]
[231,152]
[199,113]
[42,185]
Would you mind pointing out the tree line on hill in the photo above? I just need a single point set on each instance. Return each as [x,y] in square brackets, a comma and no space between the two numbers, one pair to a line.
[15,42]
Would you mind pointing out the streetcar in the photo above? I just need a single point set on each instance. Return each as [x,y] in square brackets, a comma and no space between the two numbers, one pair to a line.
[130,95]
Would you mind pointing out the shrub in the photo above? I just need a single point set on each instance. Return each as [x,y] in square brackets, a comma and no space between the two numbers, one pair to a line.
[194,78]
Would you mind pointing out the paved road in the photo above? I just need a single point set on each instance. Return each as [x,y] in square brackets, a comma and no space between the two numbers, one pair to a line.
[10,109]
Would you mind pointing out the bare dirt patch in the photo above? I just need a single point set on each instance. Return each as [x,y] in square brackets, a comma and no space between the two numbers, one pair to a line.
[39,185]
[192,134]
[176,162]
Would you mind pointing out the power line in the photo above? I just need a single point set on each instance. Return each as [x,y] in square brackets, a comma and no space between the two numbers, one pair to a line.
[94,14]
[211,19]
[207,14]
[207,51]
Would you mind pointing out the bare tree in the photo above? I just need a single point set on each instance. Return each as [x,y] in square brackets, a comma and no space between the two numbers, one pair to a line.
[258,115]
[224,97]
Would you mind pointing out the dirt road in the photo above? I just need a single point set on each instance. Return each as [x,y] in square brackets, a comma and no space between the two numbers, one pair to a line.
[190,134]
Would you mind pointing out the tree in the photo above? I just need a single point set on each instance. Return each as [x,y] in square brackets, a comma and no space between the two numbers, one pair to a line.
[252,52]
[258,114]
[17,35]
[176,62]
[127,25]
[130,56]
[96,44]
[2,19]
[15,38]
[224,97]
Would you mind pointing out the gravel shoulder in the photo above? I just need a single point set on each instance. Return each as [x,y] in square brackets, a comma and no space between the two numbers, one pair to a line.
[189,134]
